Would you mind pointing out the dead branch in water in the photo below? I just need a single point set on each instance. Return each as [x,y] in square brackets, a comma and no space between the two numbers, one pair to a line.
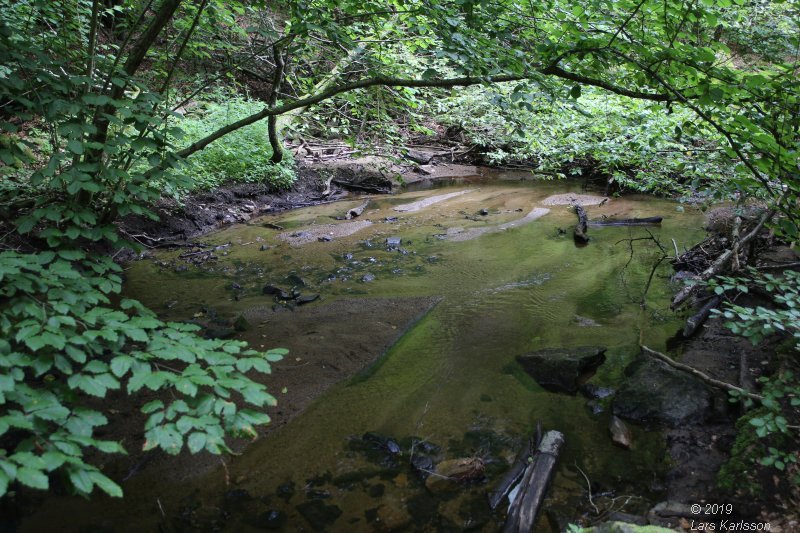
[701,375]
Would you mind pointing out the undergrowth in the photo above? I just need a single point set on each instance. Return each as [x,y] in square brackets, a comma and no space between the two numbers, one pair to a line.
[240,157]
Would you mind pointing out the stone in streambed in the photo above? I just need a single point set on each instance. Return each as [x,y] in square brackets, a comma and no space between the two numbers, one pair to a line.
[451,473]
[272,290]
[657,393]
[561,370]
[307,299]
[620,433]
[319,514]
[241,324]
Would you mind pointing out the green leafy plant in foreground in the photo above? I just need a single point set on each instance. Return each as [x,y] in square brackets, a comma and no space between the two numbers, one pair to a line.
[63,342]
[780,394]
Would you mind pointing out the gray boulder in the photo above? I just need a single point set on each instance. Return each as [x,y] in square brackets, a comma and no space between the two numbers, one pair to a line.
[658,393]
[561,370]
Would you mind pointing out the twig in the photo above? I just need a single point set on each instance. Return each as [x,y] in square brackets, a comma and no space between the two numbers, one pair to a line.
[703,377]
[227,474]
[588,488]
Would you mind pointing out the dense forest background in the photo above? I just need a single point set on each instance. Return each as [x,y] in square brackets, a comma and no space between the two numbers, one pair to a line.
[106,107]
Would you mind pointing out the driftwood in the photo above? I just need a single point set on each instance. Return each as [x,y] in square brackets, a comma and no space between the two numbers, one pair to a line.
[697,320]
[720,263]
[582,226]
[648,221]
[356,211]
[701,375]
[533,487]
[327,191]
[504,487]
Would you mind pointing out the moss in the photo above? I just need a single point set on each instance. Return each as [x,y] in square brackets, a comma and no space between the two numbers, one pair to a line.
[736,473]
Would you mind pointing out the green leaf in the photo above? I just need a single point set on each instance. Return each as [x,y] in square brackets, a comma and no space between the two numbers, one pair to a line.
[80,480]
[36,479]
[196,442]
[75,146]
[105,484]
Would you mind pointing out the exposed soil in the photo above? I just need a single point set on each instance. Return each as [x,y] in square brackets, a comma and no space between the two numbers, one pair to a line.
[317,183]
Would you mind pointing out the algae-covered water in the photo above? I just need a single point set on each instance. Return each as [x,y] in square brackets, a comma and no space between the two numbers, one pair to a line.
[449,385]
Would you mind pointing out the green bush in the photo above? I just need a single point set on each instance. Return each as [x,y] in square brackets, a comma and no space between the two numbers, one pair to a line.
[640,145]
[63,340]
[242,156]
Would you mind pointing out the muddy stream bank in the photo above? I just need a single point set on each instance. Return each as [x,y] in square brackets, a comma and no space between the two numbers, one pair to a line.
[404,326]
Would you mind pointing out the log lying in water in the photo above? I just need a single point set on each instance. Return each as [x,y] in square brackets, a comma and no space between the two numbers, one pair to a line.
[504,487]
[697,320]
[533,487]
[356,211]
[582,226]
[647,221]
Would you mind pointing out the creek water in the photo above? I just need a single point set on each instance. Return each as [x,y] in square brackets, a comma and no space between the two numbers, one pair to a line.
[503,284]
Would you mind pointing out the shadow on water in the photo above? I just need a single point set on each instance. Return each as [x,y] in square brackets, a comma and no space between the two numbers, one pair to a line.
[360,456]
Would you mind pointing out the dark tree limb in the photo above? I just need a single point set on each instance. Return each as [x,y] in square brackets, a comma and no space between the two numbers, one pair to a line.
[648,221]
[699,318]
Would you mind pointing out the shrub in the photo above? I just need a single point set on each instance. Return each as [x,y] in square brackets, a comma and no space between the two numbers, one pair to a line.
[242,156]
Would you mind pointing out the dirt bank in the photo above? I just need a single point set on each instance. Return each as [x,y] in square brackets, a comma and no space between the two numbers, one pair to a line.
[317,182]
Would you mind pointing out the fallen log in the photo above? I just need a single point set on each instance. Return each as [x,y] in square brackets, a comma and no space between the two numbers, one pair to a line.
[647,221]
[356,211]
[582,226]
[503,487]
[525,508]
[697,320]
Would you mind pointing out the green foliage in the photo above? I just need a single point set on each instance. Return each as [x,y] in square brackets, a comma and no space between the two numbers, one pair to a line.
[780,394]
[737,472]
[63,340]
[640,145]
[242,156]
[756,323]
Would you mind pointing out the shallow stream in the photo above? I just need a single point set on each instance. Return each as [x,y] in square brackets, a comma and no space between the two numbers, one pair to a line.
[456,301]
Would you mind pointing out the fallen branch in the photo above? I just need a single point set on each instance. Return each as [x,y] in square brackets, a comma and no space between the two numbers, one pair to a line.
[356,211]
[582,226]
[649,221]
[717,266]
[697,320]
[702,376]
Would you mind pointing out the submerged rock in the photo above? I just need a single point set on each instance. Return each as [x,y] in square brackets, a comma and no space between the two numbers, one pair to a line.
[560,370]
[620,433]
[451,473]
[241,323]
[657,393]
[319,514]
[307,299]
[272,290]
